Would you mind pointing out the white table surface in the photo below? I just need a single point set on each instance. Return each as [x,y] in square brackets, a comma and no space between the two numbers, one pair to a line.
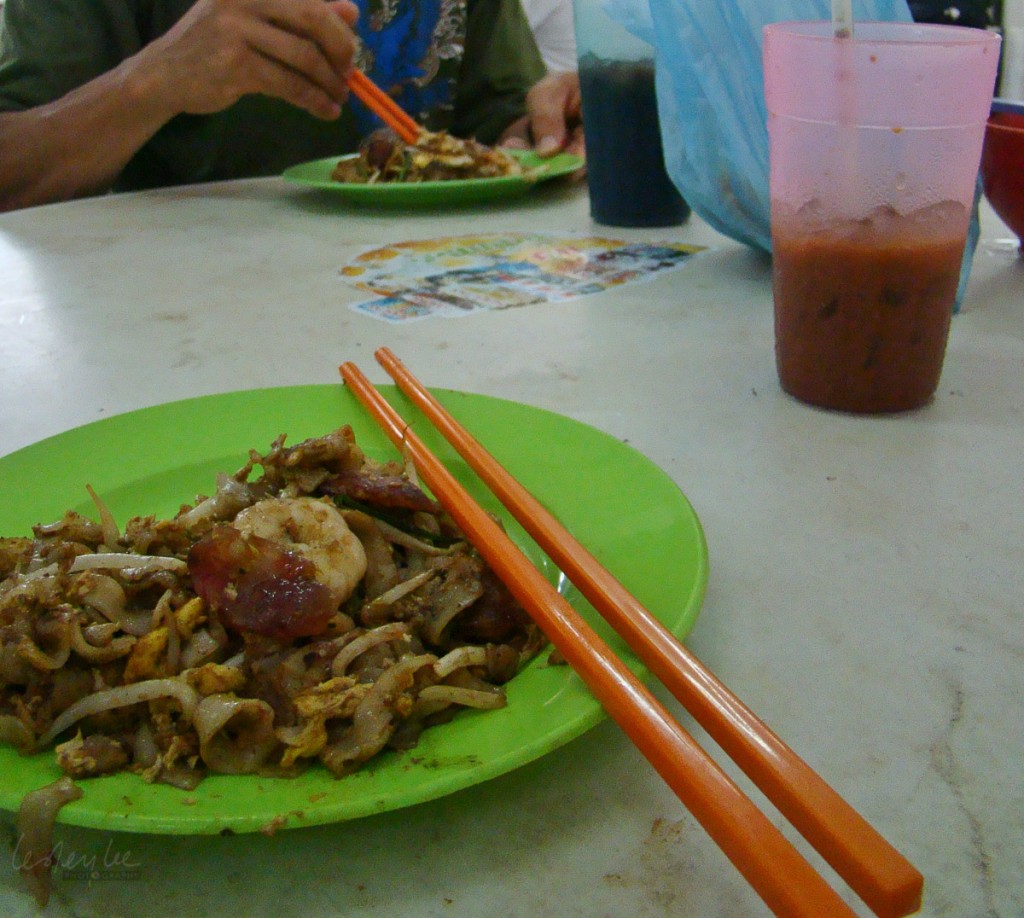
[867,574]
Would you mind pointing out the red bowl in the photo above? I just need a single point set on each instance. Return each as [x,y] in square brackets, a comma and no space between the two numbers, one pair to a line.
[1002,169]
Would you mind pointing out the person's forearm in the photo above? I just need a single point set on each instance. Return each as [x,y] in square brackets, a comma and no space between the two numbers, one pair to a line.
[295,50]
[78,144]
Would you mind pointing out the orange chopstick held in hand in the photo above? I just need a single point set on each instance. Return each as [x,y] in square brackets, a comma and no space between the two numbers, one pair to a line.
[378,101]
[875,870]
[773,867]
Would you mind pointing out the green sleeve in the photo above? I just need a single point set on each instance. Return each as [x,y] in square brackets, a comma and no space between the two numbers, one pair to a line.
[49,47]
[500,64]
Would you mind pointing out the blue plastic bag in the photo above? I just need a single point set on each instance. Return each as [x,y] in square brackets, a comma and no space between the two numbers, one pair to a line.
[711,101]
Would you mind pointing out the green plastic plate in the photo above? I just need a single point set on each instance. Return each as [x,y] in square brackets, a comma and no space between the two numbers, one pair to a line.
[629,513]
[317,174]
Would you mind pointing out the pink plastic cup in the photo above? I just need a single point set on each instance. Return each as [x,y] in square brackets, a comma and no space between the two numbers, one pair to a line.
[874,146]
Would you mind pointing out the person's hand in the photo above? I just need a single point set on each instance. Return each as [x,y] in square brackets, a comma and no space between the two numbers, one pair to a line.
[553,120]
[221,50]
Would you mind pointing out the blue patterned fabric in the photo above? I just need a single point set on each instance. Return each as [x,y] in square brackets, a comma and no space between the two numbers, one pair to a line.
[406,45]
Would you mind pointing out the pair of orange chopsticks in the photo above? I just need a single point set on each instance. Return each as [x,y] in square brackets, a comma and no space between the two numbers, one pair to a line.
[879,874]
[383,105]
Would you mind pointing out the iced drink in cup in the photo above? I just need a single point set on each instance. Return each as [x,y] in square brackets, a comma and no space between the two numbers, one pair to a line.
[626,174]
[874,146]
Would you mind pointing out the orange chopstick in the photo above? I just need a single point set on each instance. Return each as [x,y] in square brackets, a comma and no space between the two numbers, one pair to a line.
[774,868]
[876,871]
[383,105]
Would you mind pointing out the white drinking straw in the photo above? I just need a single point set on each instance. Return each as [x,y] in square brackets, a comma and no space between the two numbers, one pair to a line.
[842,18]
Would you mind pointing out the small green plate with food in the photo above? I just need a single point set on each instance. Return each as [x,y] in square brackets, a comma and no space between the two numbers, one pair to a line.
[437,193]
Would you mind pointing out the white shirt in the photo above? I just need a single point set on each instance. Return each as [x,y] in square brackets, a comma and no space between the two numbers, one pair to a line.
[552,24]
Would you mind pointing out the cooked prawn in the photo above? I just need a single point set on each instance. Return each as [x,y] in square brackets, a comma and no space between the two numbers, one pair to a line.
[315,530]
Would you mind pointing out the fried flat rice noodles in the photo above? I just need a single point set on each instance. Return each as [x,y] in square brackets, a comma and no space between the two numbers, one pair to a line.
[435,157]
[317,608]
[35,822]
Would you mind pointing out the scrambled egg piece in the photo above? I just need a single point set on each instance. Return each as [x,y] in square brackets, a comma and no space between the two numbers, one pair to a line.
[215,678]
[337,697]
[148,659]
[189,617]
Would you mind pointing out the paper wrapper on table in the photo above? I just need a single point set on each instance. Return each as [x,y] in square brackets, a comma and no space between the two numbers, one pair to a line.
[711,104]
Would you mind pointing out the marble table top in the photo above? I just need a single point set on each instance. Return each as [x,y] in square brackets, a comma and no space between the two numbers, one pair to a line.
[866,573]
